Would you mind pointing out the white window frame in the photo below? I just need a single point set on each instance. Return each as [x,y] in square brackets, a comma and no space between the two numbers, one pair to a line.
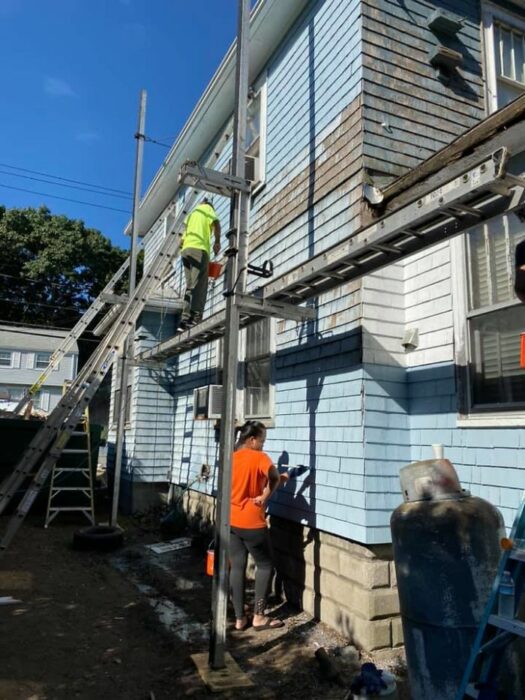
[43,366]
[459,257]
[269,419]
[241,416]
[491,13]
[261,89]
[11,357]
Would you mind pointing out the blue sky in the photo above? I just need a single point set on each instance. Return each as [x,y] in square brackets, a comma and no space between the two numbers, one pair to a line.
[72,73]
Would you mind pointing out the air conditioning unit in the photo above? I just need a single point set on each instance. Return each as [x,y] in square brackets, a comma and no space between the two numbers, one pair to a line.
[207,402]
[252,168]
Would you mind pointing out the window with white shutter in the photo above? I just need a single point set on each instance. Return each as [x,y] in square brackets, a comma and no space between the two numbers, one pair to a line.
[495,317]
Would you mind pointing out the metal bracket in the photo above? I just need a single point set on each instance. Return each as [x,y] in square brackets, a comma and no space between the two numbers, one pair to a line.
[278,309]
[265,271]
[198,177]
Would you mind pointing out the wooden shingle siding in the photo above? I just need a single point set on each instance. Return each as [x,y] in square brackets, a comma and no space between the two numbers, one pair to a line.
[339,159]
[408,111]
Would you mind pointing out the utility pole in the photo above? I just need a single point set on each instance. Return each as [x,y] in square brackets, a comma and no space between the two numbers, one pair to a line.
[123,360]
[237,253]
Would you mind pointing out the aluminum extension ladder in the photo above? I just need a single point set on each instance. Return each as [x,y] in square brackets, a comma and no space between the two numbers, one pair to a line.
[49,443]
[496,632]
[97,305]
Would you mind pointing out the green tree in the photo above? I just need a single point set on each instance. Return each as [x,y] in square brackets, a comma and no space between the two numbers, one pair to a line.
[51,267]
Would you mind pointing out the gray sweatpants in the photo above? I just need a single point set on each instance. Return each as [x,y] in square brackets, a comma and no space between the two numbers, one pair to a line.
[257,543]
[195,264]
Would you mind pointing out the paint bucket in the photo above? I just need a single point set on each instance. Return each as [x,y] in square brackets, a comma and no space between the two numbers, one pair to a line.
[214,270]
[210,559]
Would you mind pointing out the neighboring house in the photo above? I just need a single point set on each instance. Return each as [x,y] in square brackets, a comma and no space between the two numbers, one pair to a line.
[345,93]
[24,354]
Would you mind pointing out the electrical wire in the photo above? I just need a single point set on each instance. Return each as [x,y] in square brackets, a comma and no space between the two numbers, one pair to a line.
[64,199]
[64,179]
[158,143]
[71,187]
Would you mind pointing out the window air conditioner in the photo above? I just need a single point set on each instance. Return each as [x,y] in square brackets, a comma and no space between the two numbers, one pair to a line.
[207,402]
[252,168]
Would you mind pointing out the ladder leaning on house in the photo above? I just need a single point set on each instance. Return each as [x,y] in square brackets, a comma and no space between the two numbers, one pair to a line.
[496,631]
[71,483]
[106,296]
[481,193]
[49,443]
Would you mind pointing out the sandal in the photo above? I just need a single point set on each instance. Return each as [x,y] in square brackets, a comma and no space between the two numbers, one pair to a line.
[244,626]
[270,624]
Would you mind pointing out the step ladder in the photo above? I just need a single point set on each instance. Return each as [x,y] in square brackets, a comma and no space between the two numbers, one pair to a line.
[496,632]
[73,484]
[51,440]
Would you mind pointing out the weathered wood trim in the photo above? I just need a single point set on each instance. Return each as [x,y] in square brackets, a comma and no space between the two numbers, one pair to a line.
[478,134]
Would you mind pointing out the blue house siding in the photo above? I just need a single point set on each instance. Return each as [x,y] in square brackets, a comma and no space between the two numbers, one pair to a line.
[489,461]
[351,88]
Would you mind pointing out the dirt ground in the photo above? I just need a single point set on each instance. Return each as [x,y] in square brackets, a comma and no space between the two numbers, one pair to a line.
[123,625]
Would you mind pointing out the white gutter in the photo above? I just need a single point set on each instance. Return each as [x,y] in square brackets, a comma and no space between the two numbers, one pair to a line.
[270,21]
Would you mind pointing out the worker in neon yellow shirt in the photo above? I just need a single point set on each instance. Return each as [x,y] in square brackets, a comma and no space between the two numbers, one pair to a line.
[196,251]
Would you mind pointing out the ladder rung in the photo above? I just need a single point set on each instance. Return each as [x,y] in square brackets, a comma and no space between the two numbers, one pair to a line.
[82,508]
[79,433]
[75,452]
[517,555]
[57,489]
[79,470]
[517,627]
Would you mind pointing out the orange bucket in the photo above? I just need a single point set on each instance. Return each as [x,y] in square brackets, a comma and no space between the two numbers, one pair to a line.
[214,270]
[210,561]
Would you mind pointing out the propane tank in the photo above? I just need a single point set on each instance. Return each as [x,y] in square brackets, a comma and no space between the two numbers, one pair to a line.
[446,553]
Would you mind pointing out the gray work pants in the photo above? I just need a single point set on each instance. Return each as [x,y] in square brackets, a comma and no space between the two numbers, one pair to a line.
[195,264]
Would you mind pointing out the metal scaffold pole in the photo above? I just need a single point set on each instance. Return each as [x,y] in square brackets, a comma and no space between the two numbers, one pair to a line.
[235,283]
[123,360]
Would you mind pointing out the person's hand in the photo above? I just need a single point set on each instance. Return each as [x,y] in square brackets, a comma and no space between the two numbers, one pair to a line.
[216,247]
[259,500]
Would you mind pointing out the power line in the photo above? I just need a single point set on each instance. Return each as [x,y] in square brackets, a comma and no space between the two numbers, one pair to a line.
[64,179]
[64,199]
[71,187]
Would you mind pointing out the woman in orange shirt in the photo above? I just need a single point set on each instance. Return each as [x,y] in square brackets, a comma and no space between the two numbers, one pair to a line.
[254,479]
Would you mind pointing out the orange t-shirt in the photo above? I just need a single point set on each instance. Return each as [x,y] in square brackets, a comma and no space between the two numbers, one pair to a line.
[249,477]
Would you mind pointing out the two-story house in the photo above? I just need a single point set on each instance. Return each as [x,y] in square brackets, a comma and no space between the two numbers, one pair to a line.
[24,354]
[349,96]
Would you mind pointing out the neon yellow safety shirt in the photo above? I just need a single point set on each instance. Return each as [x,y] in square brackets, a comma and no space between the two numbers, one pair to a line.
[198,228]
